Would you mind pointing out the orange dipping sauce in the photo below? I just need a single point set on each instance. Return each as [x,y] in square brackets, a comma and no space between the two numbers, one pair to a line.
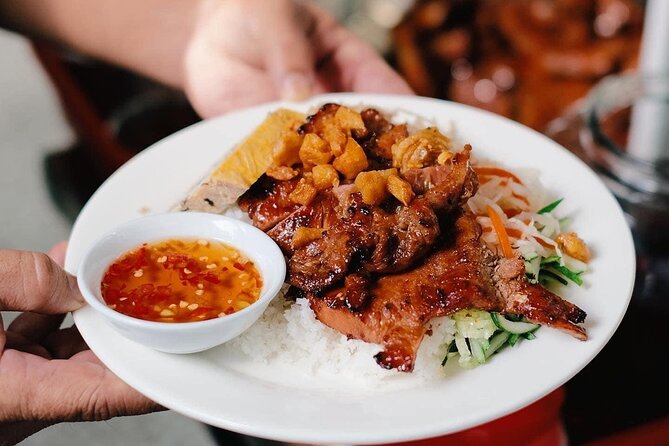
[181,281]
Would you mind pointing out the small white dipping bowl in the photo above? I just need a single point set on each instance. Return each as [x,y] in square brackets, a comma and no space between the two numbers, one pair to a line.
[183,337]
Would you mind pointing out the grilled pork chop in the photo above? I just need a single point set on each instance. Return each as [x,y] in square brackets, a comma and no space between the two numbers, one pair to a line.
[461,274]
[375,239]
[267,202]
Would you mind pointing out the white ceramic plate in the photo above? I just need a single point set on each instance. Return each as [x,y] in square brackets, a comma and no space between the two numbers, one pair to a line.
[234,393]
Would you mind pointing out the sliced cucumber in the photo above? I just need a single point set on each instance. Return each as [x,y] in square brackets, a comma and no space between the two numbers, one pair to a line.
[573,264]
[513,339]
[448,356]
[532,268]
[546,275]
[551,259]
[477,350]
[451,351]
[462,346]
[569,274]
[496,342]
[512,327]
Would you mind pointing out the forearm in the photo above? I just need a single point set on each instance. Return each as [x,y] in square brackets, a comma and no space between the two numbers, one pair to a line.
[147,36]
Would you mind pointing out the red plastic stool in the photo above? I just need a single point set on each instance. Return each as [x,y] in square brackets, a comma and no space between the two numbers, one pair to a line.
[538,424]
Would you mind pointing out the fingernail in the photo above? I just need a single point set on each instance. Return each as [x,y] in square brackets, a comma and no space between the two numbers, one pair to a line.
[296,87]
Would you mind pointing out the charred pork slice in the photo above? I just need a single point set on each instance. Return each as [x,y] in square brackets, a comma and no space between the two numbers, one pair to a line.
[462,274]
[267,202]
[371,239]
[380,137]
[448,187]
[367,239]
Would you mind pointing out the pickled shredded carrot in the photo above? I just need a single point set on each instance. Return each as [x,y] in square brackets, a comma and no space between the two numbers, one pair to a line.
[521,198]
[502,235]
[544,243]
[513,232]
[498,172]
[510,213]
[518,234]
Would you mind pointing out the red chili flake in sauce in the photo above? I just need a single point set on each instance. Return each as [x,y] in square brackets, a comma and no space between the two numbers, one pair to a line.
[181,281]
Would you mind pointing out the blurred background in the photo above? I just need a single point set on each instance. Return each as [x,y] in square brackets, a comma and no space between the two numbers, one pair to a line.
[67,122]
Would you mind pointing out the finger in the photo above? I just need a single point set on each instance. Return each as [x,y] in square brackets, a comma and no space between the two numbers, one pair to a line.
[17,342]
[78,389]
[218,90]
[36,326]
[288,53]
[349,64]
[65,343]
[57,253]
[88,356]
[362,70]
[31,281]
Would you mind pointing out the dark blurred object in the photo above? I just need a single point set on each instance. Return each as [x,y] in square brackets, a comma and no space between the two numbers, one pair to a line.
[114,113]
[652,434]
[229,438]
[598,134]
[620,388]
[525,59]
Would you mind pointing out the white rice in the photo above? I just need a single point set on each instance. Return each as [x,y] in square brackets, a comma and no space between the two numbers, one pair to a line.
[289,335]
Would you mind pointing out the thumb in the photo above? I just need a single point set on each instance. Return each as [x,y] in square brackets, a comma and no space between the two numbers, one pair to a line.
[289,56]
[57,253]
[31,281]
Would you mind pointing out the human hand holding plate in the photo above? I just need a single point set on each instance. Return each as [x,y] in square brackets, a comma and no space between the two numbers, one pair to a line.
[48,374]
